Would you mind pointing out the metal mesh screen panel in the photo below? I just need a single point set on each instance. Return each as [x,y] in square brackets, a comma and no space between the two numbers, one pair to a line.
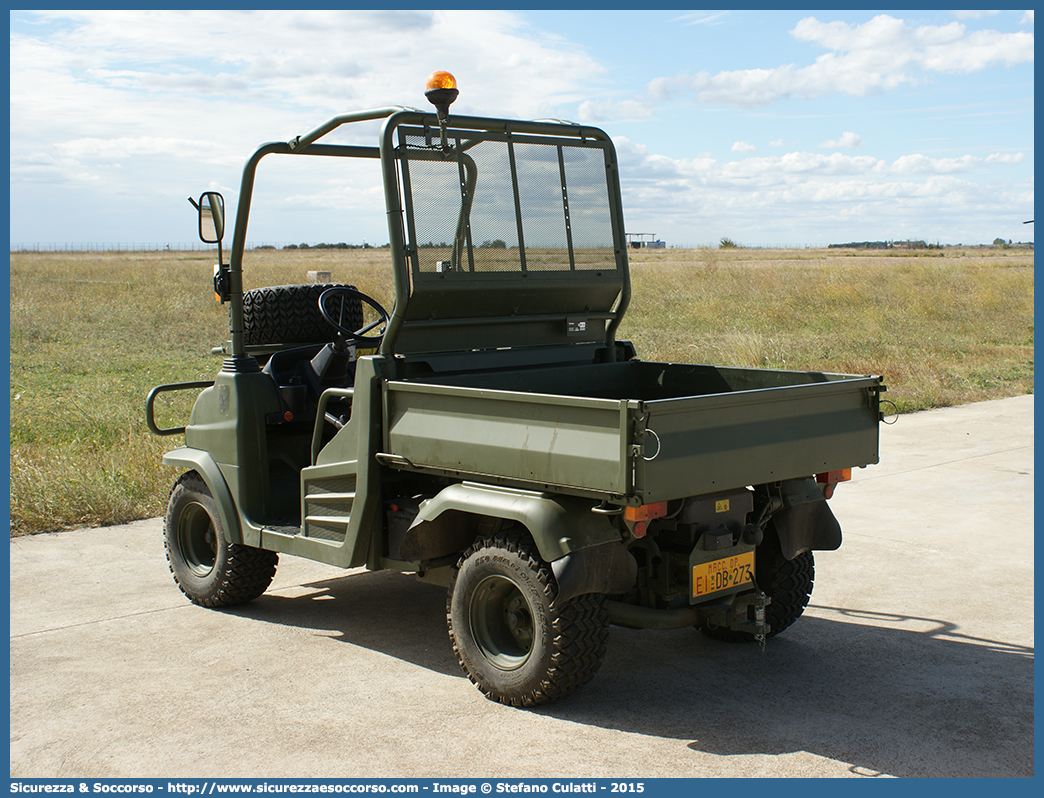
[494,231]
[436,197]
[557,195]
[542,206]
[589,212]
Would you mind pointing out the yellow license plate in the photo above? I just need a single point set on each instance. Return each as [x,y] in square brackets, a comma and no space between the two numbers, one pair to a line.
[728,573]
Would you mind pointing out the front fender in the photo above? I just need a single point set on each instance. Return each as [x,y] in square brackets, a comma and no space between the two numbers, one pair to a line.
[202,463]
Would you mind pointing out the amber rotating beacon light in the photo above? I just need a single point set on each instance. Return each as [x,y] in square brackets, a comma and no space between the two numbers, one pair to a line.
[441,91]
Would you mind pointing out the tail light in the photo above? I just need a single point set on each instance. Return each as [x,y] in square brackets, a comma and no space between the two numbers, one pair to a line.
[828,479]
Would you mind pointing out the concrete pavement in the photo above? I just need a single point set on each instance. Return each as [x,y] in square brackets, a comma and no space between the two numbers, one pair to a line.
[915,657]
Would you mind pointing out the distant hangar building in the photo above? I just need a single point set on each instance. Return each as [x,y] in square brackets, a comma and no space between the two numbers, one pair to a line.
[644,241]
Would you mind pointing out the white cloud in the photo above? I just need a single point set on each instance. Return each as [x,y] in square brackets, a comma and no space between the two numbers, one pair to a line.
[847,141]
[767,170]
[95,89]
[138,107]
[922,164]
[258,54]
[1027,17]
[780,168]
[703,185]
[878,55]
[800,197]
[600,112]
[121,147]
[891,44]
[1006,158]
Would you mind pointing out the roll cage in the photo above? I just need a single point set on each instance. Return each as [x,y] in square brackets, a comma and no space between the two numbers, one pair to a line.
[502,233]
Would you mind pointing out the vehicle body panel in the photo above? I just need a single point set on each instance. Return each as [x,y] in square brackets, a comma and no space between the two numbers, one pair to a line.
[500,396]
[575,429]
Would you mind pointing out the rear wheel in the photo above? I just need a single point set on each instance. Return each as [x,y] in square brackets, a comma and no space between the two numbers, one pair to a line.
[514,640]
[787,582]
[209,570]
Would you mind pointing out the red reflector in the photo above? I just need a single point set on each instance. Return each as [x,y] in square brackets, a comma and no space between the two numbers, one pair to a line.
[830,477]
[647,512]
[288,416]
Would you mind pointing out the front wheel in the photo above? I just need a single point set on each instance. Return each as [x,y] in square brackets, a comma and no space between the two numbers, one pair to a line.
[513,639]
[209,570]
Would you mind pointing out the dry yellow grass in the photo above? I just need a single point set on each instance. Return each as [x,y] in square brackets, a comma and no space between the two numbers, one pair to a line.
[92,333]
[942,327]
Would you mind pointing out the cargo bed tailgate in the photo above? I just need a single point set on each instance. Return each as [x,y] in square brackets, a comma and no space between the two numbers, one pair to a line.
[702,444]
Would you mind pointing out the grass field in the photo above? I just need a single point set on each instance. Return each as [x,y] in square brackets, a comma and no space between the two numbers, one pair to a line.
[92,333]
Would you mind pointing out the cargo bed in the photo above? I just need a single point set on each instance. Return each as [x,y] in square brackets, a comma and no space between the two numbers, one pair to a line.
[636,432]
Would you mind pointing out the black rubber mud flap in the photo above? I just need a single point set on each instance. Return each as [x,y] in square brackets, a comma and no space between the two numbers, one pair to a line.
[807,527]
[605,568]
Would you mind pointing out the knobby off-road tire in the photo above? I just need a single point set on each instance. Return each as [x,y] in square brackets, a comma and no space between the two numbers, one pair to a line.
[787,582]
[209,570]
[518,644]
[289,314]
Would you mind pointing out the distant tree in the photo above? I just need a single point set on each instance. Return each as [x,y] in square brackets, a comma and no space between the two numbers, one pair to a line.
[861,245]
[728,243]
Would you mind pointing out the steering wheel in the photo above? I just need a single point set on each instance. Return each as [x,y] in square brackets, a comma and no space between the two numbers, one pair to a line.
[344,293]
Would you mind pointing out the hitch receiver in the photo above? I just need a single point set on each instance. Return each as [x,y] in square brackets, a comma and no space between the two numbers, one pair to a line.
[745,613]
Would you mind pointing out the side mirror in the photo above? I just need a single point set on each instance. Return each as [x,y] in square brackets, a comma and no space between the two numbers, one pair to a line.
[211,217]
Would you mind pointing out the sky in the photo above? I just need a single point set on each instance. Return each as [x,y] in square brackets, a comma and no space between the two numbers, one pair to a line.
[770,128]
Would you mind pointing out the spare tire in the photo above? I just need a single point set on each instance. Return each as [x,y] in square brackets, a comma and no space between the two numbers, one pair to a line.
[289,314]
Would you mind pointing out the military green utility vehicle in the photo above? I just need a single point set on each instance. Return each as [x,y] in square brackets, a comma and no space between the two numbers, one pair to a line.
[489,432]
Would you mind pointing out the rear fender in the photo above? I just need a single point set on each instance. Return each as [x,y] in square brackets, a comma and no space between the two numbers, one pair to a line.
[584,549]
[202,463]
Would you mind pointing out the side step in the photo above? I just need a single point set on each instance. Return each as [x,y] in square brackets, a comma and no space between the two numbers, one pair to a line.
[328,507]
